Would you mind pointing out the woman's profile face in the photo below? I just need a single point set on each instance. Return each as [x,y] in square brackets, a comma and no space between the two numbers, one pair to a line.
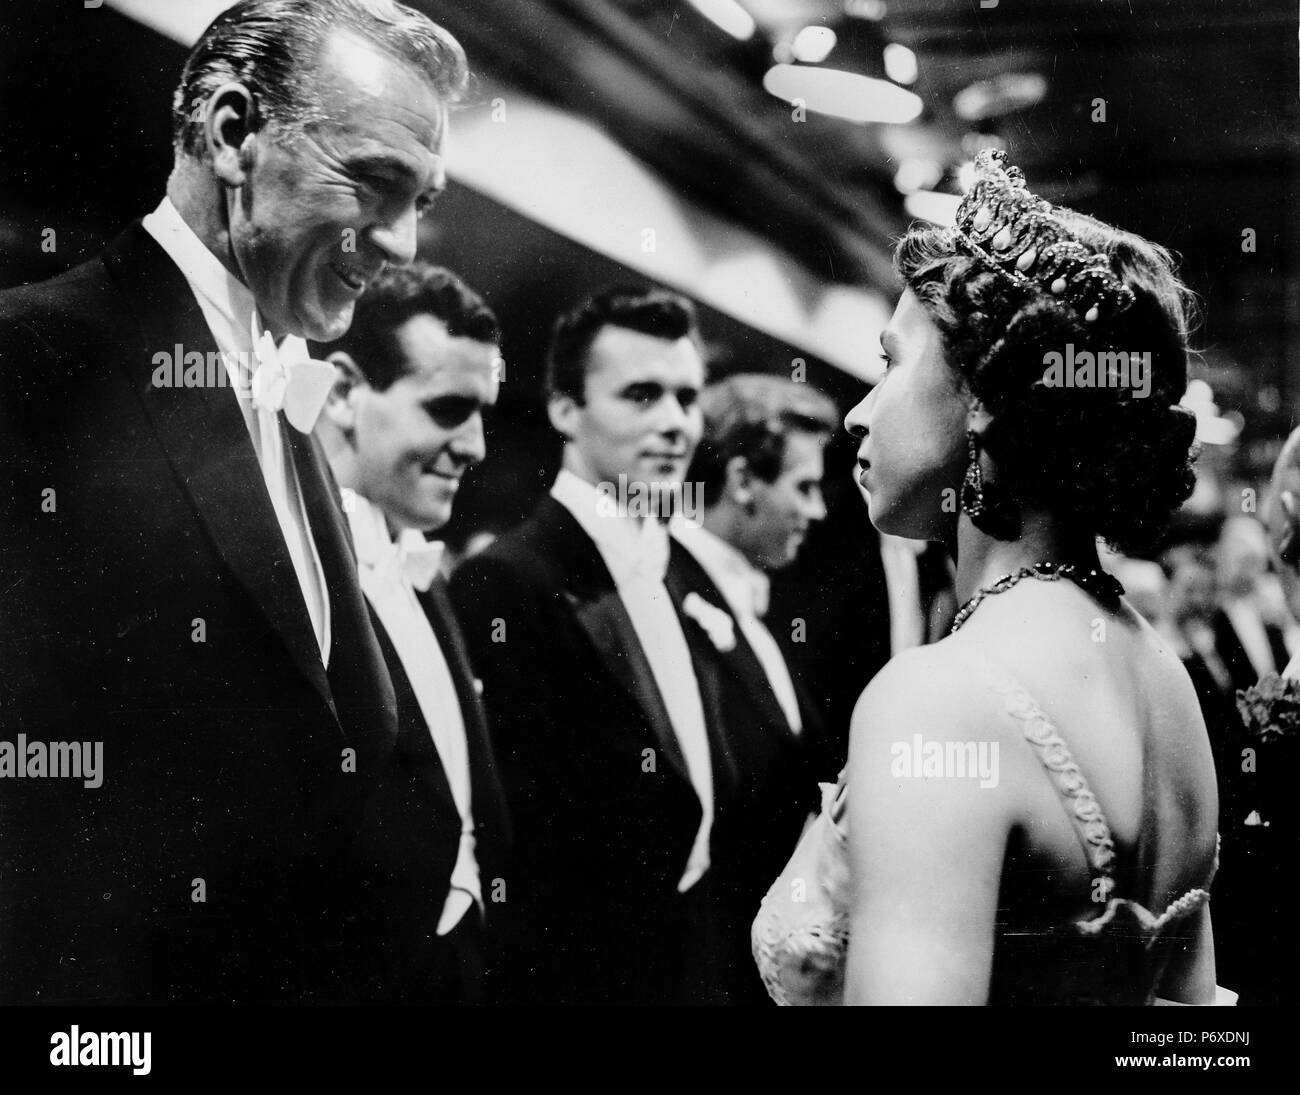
[912,431]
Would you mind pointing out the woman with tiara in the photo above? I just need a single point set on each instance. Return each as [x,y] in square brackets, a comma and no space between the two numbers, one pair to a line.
[1028,815]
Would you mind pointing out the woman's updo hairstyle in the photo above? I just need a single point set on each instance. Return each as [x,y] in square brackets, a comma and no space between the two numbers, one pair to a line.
[1106,457]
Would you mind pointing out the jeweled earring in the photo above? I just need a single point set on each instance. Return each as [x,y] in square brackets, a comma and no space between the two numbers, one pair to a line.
[972,487]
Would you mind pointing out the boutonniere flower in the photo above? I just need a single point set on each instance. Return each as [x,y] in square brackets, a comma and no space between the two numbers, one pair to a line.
[1271,708]
[717,624]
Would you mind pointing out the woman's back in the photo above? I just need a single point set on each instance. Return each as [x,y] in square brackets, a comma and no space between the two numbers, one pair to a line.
[1078,681]
[1018,868]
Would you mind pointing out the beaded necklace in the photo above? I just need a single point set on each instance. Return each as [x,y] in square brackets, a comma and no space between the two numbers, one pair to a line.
[1097,583]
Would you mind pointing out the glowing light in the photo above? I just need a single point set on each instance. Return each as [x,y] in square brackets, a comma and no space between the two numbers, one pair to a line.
[930,205]
[813,45]
[728,15]
[900,64]
[966,176]
[913,175]
[846,95]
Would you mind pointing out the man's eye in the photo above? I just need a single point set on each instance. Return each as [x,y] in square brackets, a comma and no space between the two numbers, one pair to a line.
[450,413]
[687,398]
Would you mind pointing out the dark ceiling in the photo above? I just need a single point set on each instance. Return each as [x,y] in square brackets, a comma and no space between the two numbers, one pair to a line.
[1199,141]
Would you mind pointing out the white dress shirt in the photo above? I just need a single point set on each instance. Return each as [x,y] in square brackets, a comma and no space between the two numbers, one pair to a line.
[636,554]
[746,589]
[389,589]
[1244,615]
[229,308]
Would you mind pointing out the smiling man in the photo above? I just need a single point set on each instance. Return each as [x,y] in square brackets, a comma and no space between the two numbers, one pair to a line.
[605,714]
[185,589]
[403,424]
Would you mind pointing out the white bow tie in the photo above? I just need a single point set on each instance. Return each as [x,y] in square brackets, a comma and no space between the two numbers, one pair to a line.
[286,378]
[419,558]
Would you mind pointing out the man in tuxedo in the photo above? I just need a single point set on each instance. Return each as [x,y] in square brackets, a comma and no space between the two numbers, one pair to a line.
[1249,644]
[179,586]
[402,425]
[604,702]
[759,469]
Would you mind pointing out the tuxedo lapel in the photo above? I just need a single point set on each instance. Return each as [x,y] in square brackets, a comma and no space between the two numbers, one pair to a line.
[413,738]
[600,612]
[487,794]
[358,676]
[686,574]
[207,442]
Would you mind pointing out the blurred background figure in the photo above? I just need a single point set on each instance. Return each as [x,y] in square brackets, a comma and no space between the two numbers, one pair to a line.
[759,469]
[1249,641]
[760,465]
[1146,588]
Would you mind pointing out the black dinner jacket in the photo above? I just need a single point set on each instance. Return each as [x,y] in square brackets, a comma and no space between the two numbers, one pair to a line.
[148,603]
[778,781]
[415,820]
[603,811]
[1233,652]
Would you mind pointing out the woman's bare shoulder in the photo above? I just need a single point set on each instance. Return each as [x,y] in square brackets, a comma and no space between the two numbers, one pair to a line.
[945,688]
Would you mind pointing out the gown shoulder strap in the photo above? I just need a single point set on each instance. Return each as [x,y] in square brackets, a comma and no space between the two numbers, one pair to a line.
[1081,805]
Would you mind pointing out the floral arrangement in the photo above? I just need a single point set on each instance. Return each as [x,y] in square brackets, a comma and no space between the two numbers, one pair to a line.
[1271,708]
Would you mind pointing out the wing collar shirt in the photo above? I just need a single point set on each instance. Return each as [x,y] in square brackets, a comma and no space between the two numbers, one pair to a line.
[228,307]
[746,589]
[386,582]
[636,554]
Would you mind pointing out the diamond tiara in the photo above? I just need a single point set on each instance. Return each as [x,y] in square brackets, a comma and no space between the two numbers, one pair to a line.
[1013,231]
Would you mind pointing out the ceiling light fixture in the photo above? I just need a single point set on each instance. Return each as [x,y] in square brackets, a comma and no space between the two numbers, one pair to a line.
[932,206]
[813,45]
[847,95]
[900,64]
[729,15]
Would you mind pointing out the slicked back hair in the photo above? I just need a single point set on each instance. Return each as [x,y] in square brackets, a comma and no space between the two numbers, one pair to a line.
[655,312]
[272,47]
[396,296]
[750,415]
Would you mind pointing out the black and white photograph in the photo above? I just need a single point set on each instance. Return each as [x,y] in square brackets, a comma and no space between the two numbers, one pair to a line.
[654,503]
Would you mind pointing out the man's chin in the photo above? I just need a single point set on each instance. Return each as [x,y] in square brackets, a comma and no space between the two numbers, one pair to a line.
[323,326]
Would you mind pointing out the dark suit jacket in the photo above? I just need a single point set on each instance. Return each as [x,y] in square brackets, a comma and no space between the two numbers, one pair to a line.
[603,810]
[777,789]
[415,816]
[148,602]
[1234,655]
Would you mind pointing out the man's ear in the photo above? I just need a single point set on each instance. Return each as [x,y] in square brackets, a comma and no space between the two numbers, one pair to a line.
[340,404]
[739,485]
[563,411]
[230,121]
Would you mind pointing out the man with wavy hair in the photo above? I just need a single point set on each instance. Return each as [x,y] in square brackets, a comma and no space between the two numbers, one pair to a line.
[182,588]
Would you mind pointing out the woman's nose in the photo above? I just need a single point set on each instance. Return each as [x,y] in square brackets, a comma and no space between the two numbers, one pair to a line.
[856,420]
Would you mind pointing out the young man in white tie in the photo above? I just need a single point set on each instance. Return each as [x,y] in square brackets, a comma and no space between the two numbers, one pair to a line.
[604,706]
[403,423]
[759,468]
